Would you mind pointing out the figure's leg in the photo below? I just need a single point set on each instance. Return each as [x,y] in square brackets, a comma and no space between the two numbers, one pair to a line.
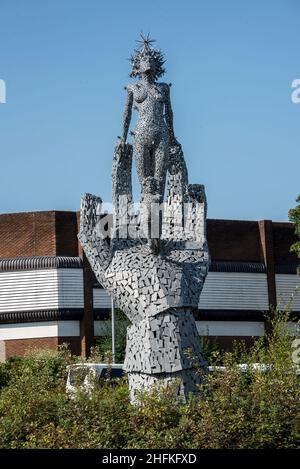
[161,161]
[138,150]
[144,163]
[160,171]
[144,157]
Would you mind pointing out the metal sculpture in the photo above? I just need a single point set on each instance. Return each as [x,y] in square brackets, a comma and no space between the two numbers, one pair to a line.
[156,261]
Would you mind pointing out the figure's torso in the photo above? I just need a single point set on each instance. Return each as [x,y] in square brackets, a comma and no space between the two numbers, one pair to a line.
[149,100]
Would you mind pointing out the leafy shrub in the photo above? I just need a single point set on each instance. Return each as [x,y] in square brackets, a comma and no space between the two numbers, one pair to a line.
[102,352]
[294,217]
[235,409]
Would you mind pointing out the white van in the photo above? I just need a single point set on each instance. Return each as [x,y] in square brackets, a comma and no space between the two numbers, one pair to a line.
[85,377]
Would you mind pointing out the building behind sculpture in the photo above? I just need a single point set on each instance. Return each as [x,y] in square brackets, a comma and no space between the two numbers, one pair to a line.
[48,294]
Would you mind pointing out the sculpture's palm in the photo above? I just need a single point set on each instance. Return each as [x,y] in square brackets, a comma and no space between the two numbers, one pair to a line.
[143,283]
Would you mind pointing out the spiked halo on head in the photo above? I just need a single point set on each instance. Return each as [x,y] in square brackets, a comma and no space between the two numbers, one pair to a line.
[145,50]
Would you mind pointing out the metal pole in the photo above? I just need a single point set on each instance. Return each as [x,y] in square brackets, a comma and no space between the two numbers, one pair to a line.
[113,341]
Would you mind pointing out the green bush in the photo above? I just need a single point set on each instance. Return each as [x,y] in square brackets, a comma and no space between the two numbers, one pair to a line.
[102,352]
[234,409]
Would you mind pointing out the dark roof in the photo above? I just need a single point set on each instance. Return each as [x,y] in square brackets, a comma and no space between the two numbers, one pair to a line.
[40,262]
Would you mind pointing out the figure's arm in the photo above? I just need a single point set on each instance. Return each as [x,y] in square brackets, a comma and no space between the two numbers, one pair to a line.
[169,116]
[127,114]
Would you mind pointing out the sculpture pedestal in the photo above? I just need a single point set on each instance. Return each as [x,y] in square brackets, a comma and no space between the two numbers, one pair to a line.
[183,383]
[162,350]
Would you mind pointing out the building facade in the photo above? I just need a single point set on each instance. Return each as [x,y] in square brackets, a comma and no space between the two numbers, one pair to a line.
[48,294]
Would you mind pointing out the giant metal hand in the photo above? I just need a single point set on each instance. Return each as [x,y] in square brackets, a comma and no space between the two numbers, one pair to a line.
[156,290]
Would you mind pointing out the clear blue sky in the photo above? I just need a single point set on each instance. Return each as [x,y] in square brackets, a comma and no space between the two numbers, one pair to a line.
[231,64]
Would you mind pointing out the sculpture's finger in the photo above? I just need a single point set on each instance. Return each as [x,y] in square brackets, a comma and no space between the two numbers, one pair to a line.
[122,191]
[90,210]
[195,213]
[95,246]
[177,184]
[121,172]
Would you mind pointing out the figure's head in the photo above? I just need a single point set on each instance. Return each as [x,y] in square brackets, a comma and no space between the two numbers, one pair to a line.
[147,60]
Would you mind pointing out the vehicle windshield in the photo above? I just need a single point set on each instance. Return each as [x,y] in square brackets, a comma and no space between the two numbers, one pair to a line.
[111,373]
[78,375]
[81,375]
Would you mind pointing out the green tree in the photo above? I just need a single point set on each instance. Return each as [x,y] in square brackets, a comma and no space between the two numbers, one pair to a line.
[102,351]
[294,217]
[236,408]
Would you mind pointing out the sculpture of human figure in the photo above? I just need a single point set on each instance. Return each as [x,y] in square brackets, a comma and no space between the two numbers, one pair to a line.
[156,289]
[154,133]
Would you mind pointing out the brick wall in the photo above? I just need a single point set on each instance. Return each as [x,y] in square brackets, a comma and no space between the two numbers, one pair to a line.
[74,344]
[231,240]
[235,240]
[226,342]
[66,233]
[38,234]
[54,233]
[27,234]
[20,347]
[283,238]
